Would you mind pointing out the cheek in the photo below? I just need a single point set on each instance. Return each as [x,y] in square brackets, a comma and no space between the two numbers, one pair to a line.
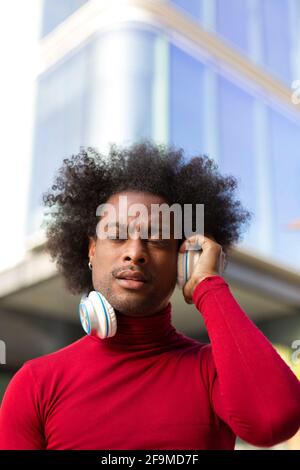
[168,271]
[104,253]
[103,263]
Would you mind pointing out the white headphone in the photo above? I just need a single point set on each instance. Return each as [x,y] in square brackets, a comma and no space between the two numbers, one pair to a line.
[97,315]
[185,265]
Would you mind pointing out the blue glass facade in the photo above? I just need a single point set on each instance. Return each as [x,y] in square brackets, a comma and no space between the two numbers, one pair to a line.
[56,11]
[232,22]
[265,30]
[277,39]
[186,96]
[285,144]
[236,134]
[93,96]
[59,128]
[192,7]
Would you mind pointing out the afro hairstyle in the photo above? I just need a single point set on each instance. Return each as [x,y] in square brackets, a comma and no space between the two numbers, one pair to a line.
[89,178]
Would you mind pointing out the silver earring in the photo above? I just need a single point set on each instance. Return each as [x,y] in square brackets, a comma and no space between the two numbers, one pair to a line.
[90,265]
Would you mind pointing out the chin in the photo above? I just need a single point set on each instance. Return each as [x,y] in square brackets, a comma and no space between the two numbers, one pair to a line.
[130,306]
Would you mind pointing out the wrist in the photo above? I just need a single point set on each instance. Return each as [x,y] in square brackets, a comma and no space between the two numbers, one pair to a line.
[197,280]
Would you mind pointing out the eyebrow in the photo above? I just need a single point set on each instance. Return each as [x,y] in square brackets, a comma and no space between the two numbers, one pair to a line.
[118,225]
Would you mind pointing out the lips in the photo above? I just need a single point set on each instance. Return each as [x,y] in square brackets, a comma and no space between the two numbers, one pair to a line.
[132,275]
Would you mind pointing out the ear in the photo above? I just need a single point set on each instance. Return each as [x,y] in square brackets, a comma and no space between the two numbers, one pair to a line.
[92,247]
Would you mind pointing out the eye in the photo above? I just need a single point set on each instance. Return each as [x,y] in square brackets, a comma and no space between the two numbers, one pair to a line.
[116,239]
[158,241]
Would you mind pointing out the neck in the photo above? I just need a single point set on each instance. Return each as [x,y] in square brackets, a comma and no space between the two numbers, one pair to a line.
[141,332]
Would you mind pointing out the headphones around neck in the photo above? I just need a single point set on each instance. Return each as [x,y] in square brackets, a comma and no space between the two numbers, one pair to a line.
[98,316]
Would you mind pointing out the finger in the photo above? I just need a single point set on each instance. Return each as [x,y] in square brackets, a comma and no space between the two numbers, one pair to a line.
[188,301]
[201,239]
[194,242]
[187,245]
[222,261]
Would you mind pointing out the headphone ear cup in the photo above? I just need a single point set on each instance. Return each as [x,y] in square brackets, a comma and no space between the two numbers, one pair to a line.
[86,314]
[106,317]
[180,269]
[185,265]
[97,315]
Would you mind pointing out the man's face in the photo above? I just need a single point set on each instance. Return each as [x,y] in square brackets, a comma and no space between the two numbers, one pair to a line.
[153,257]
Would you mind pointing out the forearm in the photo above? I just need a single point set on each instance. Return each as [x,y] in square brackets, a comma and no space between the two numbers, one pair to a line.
[259,391]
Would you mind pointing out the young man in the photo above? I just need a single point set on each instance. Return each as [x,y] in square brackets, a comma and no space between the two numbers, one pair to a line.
[149,386]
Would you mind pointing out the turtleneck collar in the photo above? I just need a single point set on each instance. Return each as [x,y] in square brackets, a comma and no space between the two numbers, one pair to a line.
[141,332]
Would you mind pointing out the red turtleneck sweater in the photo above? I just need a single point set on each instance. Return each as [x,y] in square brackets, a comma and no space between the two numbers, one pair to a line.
[151,387]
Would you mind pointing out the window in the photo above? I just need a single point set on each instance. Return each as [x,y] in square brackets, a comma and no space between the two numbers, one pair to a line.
[59,127]
[100,94]
[236,146]
[285,144]
[186,101]
[233,22]
[277,45]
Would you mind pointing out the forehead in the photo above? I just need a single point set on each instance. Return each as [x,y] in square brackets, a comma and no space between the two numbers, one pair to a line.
[131,204]
[134,197]
[128,205]
[144,208]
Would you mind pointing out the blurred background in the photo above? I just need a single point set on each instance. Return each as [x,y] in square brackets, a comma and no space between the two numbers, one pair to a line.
[216,77]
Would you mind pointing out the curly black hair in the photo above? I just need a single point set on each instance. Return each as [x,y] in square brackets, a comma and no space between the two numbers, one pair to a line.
[89,178]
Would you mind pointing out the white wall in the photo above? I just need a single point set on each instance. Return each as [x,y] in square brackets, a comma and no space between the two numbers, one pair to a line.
[19,32]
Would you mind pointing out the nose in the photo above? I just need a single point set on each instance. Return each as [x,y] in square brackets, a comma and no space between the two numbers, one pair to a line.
[135,251]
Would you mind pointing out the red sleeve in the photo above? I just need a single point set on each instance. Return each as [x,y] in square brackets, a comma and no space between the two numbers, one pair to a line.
[20,424]
[253,390]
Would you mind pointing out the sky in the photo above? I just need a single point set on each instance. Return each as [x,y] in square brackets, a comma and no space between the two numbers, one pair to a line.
[19,32]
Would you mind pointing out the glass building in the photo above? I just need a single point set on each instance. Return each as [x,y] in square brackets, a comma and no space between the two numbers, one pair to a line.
[210,76]
[214,77]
